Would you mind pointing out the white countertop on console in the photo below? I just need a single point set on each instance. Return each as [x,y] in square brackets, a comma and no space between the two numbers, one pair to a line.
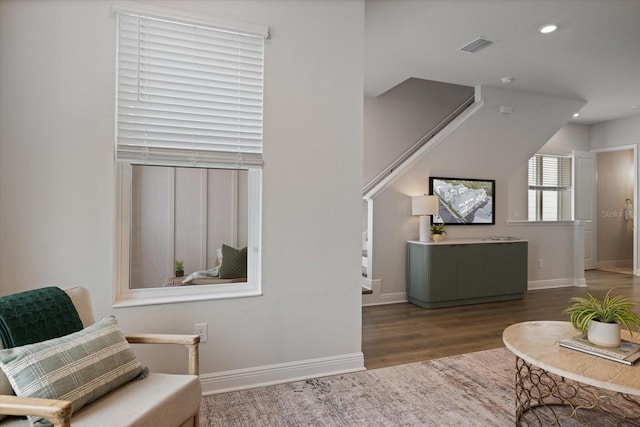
[471,241]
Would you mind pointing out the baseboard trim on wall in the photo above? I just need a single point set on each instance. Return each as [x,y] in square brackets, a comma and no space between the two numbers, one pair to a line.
[580,283]
[240,379]
[399,297]
[555,283]
[381,299]
[614,263]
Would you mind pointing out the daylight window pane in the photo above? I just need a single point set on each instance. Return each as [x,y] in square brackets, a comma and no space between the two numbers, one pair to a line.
[532,213]
[549,206]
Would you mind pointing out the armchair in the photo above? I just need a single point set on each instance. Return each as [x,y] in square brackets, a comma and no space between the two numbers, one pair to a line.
[157,400]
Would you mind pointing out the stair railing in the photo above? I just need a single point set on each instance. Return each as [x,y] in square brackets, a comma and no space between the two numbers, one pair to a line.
[415,147]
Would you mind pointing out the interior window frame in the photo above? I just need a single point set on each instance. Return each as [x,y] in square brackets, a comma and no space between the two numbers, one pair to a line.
[563,212]
[124,296]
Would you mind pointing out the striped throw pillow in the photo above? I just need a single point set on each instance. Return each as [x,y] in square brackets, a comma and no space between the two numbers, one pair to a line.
[79,367]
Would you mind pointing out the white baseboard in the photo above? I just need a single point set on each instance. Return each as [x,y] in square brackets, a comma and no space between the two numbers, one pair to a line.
[381,299]
[580,283]
[240,379]
[616,263]
[555,283]
[376,297]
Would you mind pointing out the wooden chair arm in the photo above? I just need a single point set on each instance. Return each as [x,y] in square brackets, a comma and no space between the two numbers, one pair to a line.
[162,339]
[189,341]
[56,411]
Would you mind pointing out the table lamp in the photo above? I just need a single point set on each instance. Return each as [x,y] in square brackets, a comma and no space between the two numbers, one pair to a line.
[424,206]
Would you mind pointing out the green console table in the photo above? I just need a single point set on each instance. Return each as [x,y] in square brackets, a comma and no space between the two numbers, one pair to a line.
[465,271]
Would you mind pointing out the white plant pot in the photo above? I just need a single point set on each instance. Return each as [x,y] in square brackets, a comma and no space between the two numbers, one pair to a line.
[604,334]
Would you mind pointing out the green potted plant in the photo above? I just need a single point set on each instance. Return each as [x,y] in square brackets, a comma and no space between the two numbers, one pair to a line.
[179,268]
[437,232]
[601,319]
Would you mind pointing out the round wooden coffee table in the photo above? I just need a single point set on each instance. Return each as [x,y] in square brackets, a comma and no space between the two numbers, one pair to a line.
[554,383]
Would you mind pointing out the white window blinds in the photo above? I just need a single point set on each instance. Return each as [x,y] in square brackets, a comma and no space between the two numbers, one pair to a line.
[188,94]
[549,172]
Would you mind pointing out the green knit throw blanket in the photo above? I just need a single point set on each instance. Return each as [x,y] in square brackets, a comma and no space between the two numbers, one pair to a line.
[37,315]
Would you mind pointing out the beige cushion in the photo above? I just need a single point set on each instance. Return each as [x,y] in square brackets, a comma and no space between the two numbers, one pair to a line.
[5,386]
[82,301]
[158,400]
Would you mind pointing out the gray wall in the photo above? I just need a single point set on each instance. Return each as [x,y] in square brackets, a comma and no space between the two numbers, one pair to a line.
[57,178]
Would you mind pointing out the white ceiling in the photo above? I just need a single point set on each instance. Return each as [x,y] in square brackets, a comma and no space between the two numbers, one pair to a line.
[594,55]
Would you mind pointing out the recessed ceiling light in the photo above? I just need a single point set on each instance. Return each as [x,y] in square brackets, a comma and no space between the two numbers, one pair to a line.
[548,28]
[576,114]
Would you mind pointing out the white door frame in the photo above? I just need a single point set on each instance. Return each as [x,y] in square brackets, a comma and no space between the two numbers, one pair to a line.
[584,216]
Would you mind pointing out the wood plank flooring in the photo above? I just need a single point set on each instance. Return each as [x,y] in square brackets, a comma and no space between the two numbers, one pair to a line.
[403,333]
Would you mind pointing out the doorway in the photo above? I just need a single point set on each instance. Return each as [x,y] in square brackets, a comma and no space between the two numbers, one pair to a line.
[616,198]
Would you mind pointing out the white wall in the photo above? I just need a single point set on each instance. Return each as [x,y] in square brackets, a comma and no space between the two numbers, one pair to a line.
[571,137]
[553,243]
[57,179]
[489,145]
[616,133]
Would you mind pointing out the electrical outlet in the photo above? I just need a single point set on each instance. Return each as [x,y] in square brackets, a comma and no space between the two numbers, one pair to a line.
[540,263]
[201,329]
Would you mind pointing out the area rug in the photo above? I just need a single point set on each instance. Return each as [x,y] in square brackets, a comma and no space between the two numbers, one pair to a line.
[473,389]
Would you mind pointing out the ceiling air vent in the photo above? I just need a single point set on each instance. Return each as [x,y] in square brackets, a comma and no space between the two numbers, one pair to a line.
[476,45]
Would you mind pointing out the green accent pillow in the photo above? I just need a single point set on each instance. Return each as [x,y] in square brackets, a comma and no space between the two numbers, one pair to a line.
[234,263]
[79,367]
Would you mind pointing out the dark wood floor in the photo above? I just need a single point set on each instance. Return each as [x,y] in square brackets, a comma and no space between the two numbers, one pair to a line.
[403,333]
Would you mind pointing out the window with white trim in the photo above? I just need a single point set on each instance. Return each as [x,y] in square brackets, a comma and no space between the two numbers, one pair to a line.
[550,188]
[188,152]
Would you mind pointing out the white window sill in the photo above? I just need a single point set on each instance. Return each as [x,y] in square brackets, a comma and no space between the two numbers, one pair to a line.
[549,223]
[155,296]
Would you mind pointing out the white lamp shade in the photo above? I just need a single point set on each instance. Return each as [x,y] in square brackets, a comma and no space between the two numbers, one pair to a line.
[424,205]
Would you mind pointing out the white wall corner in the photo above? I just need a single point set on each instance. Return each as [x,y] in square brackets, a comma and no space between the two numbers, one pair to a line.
[580,282]
[240,379]
[376,288]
